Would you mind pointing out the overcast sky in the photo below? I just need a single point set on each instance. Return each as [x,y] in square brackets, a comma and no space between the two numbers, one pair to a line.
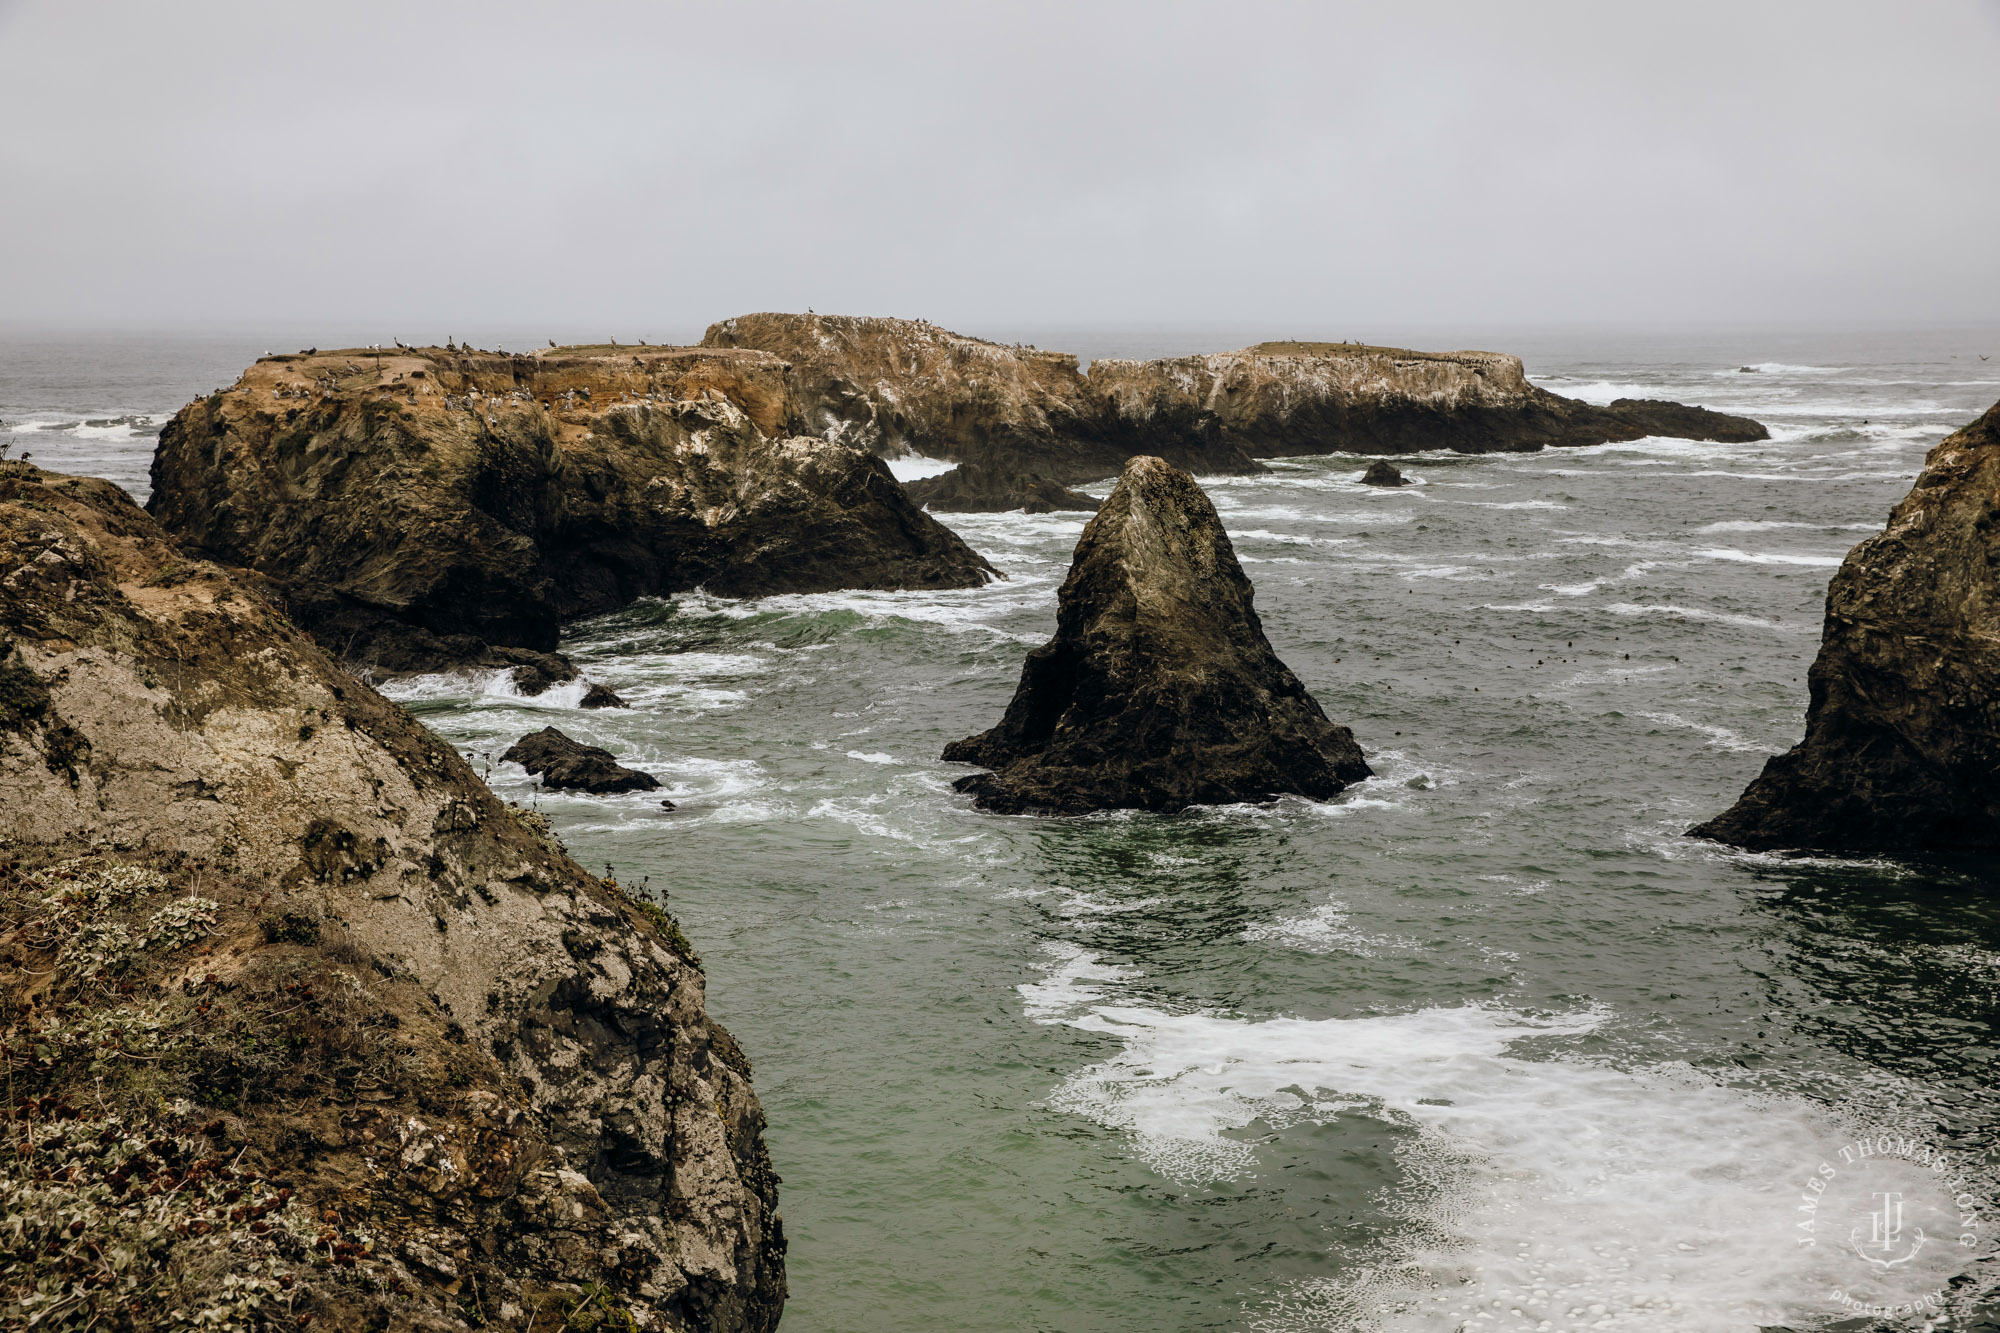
[614,169]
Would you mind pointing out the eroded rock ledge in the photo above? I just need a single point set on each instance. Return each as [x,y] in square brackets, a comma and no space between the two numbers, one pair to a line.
[299,1020]
[1902,744]
[435,508]
[893,385]
[1159,690]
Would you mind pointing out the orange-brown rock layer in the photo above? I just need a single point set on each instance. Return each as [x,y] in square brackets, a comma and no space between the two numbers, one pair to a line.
[431,507]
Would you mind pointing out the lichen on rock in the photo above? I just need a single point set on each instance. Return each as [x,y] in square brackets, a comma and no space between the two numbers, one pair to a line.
[1159,690]
[298,1019]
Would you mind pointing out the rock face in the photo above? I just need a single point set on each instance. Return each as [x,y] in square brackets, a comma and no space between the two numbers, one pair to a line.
[1383,474]
[436,508]
[892,385]
[1159,690]
[1902,744]
[1278,399]
[898,385]
[972,489]
[280,978]
[569,766]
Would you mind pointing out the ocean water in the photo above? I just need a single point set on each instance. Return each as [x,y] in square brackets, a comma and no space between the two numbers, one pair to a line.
[1484,1043]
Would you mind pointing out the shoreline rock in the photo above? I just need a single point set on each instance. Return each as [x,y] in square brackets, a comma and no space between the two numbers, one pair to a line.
[434,509]
[1902,746]
[566,765]
[1159,690]
[971,488]
[341,976]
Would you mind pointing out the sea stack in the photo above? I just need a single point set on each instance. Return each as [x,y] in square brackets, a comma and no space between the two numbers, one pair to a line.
[301,1018]
[1159,690]
[1902,744]
[1382,472]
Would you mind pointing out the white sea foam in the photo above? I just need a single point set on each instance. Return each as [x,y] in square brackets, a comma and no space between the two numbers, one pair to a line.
[1075,980]
[1697,613]
[1722,738]
[1536,1193]
[1756,525]
[1327,928]
[1599,392]
[1783,368]
[1768,557]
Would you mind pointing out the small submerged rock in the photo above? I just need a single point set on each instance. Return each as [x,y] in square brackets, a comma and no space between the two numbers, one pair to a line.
[1159,690]
[568,765]
[601,696]
[1383,473]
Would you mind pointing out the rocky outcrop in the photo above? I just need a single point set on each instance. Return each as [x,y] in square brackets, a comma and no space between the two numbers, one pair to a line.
[972,489]
[568,765]
[438,508]
[1287,398]
[299,1021]
[895,386]
[1383,474]
[1902,744]
[1159,690]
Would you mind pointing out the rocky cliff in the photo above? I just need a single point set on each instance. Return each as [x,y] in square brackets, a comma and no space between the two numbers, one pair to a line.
[431,507]
[1282,398]
[1902,743]
[897,385]
[1159,690]
[299,1022]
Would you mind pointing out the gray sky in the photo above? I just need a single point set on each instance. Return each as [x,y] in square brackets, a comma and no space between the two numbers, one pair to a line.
[644,168]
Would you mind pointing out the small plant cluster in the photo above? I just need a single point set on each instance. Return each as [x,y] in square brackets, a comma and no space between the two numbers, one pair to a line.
[110,1220]
[76,923]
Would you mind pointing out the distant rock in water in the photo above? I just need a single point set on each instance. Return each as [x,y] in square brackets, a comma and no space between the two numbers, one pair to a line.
[415,1028]
[1902,744]
[601,696]
[973,489]
[1383,474]
[1285,398]
[571,766]
[1159,690]
[431,508]
[894,385]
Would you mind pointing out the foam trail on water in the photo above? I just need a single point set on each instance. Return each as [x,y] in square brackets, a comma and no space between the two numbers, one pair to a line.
[1537,1194]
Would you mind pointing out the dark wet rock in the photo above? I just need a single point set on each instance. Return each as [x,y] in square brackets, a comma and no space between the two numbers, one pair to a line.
[1902,744]
[571,766]
[449,506]
[487,1078]
[1159,690]
[601,696]
[535,673]
[1746,370]
[971,488]
[1383,473]
[667,805]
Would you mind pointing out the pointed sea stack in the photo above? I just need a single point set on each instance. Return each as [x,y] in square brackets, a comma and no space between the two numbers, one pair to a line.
[1902,745]
[1159,690]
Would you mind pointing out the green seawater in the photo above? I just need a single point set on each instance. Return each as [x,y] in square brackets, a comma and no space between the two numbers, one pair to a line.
[1483,1043]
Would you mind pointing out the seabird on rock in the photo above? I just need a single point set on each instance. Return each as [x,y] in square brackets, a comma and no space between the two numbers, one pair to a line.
[552,342]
